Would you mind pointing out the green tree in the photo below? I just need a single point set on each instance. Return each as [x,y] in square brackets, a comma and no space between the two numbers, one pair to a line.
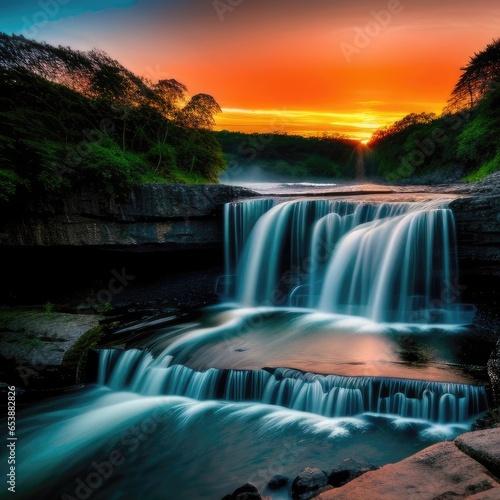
[400,125]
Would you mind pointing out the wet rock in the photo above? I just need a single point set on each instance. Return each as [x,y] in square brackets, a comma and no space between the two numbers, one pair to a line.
[246,492]
[35,346]
[346,471]
[277,482]
[490,420]
[483,446]
[494,374]
[308,482]
[441,472]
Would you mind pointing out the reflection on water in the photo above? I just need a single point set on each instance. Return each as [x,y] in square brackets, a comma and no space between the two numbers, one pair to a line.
[253,338]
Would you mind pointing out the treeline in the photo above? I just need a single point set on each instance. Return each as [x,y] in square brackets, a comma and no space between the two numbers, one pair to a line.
[287,156]
[72,119]
[461,144]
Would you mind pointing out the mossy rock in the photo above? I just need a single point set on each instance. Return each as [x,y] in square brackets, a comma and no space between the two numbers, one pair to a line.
[75,359]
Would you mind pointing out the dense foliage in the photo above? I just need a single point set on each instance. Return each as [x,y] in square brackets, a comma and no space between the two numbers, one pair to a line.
[462,143]
[71,120]
[285,156]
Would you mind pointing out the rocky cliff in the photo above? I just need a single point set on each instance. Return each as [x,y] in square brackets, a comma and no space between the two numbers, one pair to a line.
[478,227]
[477,216]
[154,217]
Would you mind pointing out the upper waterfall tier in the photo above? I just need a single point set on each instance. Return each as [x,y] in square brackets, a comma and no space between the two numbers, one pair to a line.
[387,262]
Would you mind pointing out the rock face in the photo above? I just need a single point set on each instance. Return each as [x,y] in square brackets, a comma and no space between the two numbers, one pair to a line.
[160,216]
[478,233]
[494,374]
[477,217]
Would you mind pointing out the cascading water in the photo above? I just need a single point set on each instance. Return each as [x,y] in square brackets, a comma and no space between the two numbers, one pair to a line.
[386,262]
[331,395]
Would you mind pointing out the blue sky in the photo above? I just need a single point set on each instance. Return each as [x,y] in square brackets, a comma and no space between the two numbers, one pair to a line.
[23,15]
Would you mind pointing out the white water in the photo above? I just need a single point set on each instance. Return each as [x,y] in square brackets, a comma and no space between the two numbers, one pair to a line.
[330,396]
[386,262]
[176,447]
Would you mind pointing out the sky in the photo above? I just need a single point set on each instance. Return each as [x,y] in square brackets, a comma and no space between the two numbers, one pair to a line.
[300,66]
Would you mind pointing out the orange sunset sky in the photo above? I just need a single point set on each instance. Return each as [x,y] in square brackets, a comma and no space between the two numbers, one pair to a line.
[305,67]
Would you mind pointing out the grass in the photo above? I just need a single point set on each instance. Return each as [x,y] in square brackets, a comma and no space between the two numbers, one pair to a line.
[484,170]
[48,307]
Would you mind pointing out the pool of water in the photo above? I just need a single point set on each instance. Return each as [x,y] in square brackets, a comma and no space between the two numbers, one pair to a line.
[227,336]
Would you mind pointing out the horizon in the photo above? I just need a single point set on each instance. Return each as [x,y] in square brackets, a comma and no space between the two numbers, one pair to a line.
[344,68]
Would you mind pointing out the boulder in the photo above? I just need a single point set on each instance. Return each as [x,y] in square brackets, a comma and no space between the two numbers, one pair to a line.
[346,471]
[41,351]
[277,482]
[246,492]
[483,446]
[308,482]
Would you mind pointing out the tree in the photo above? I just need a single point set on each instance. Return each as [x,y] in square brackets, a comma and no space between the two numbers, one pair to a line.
[400,125]
[199,112]
[480,74]
[170,95]
[73,119]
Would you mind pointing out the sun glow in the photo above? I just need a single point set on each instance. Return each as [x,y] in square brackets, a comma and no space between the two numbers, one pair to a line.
[358,126]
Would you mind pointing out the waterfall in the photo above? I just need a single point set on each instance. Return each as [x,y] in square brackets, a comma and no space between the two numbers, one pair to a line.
[387,262]
[327,395]
[239,220]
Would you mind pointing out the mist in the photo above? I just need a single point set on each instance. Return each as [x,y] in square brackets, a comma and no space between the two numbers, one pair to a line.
[258,174]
